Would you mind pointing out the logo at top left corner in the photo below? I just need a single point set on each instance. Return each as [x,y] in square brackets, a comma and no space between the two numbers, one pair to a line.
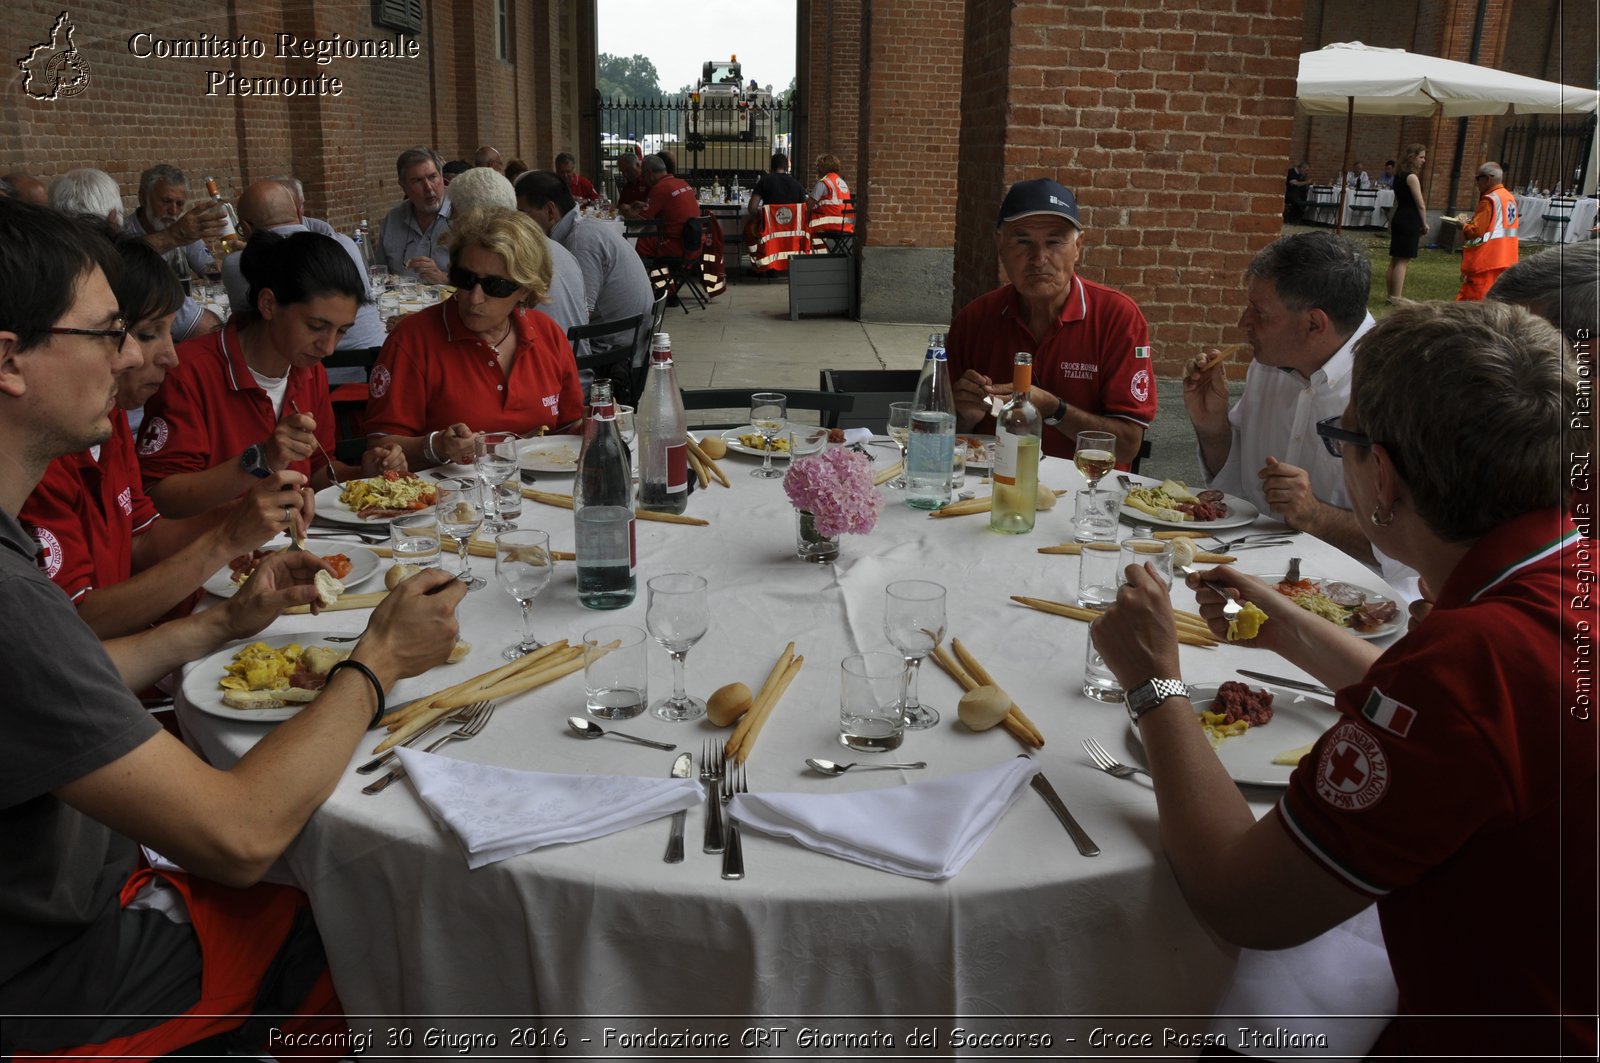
[54,69]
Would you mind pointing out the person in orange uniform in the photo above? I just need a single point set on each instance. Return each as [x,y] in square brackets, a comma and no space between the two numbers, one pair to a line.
[828,200]
[1491,246]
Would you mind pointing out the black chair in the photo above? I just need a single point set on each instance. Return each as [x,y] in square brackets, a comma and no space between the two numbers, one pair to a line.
[872,390]
[827,403]
[678,273]
[1363,204]
[1557,216]
[615,363]
[842,241]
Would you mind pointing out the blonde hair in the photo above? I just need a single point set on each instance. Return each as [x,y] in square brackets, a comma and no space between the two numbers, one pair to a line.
[827,164]
[515,237]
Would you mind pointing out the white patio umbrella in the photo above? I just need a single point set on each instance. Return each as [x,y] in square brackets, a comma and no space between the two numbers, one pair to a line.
[1353,78]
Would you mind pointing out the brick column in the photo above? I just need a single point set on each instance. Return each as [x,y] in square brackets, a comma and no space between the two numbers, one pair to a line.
[1170,120]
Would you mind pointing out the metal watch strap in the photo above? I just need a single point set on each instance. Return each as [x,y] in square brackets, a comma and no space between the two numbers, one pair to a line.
[1152,692]
[254,461]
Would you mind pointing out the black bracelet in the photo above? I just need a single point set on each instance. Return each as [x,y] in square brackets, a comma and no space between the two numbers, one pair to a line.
[377,687]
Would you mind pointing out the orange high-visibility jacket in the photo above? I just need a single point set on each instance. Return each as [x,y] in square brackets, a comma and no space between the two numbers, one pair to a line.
[1492,233]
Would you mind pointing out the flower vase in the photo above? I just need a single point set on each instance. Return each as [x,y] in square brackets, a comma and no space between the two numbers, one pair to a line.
[810,544]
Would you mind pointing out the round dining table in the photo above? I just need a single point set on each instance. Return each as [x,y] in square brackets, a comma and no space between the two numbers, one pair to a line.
[1030,938]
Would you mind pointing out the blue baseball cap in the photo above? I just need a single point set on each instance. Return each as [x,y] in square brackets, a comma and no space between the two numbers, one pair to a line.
[1039,196]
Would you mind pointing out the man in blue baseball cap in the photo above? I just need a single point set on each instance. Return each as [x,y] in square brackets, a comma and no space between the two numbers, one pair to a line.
[1091,346]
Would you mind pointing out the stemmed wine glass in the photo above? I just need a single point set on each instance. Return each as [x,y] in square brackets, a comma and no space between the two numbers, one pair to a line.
[1096,455]
[523,564]
[900,432]
[678,617]
[496,462]
[914,622]
[768,409]
[459,503]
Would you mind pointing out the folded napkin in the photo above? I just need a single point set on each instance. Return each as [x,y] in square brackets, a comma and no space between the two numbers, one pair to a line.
[857,435]
[922,829]
[500,812]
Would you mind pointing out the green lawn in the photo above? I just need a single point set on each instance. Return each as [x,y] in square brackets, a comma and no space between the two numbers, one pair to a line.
[1432,275]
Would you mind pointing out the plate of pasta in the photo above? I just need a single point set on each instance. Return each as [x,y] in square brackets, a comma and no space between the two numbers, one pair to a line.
[1363,612]
[553,454]
[374,499]
[1171,504]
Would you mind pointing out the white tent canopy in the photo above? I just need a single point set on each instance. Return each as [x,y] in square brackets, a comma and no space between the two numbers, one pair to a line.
[1346,78]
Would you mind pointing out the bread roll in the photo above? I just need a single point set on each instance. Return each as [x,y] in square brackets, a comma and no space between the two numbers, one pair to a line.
[328,588]
[983,707]
[713,447]
[267,699]
[728,704]
[398,574]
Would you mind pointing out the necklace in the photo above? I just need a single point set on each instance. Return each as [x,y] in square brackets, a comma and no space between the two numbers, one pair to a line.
[503,337]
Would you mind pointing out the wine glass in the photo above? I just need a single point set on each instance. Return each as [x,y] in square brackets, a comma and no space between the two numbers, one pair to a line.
[495,462]
[900,432]
[914,622]
[767,412]
[523,564]
[1095,455]
[459,503]
[678,617]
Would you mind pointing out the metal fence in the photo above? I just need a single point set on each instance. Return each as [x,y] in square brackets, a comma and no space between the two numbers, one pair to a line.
[1549,151]
[711,142]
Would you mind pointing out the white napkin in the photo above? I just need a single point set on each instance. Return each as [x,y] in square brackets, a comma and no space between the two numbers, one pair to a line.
[857,435]
[923,829]
[500,812]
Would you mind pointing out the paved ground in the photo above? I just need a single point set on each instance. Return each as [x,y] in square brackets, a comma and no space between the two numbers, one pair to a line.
[746,339]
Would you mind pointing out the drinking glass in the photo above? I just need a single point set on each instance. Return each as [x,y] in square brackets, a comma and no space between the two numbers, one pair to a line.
[1095,455]
[1097,574]
[615,672]
[678,617]
[806,440]
[1099,682]
[1139,551]
[767,412]
[900,432]
[523,564]
[870,720]
[496,462]
[1094,517]
[460,510]
[914,622]
[626,429]
[414,539]
[379,277]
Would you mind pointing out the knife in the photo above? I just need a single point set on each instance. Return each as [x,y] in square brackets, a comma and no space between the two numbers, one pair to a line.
[681,768]
[1085,845]
[1294,684]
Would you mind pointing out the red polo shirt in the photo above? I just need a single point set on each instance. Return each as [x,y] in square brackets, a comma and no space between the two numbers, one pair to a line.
[210,410]
[673,201]
[86,511]
[581,187]
[633,192]
[1459,791]
[1097,356]
[434,372]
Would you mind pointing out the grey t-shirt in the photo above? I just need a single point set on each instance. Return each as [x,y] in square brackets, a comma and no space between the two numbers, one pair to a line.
[616,284]
[566,303]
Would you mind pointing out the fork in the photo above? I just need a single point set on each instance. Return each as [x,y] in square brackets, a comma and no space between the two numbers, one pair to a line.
[460,716]
[1254,537]
[711,770]
[736,782]
[1109,764]
[295,406]
[482,710]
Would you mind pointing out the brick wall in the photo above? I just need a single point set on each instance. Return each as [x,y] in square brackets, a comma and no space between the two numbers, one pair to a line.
[828,78]
[1169,119]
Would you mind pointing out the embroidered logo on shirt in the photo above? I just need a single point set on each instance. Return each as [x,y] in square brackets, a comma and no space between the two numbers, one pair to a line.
[551,401]
[1079,370]
[1141,352]
[153,435]
[49,551]
[125,501]
[1140,385]
[1389,714]
[1353,773]
[378,386]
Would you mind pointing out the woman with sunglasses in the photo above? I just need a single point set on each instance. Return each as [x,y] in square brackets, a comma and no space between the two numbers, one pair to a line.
[482,360]
[1456,787]
[102,541]
[252,400]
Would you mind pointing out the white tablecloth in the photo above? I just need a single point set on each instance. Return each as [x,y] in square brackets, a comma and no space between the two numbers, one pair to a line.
[1531,210]
[1325,205]
[1029,928]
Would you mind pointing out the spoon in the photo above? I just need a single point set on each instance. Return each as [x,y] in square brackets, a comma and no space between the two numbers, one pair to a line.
[585,729]
[828,767]
[1230,604]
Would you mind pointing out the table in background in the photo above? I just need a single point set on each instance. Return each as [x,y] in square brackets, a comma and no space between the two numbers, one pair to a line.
[1531,211]
[1030,927]
[1323,206]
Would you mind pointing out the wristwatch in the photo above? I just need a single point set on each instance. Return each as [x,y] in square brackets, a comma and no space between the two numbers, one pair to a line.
[1152,692]
[254,461]
[1061,411]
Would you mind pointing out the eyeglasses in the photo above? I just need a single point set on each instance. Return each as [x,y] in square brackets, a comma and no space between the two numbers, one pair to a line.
[494,287]
[118,334]
[1334,437]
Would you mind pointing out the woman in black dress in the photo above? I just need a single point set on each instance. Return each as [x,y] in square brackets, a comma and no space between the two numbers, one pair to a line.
[1409,222]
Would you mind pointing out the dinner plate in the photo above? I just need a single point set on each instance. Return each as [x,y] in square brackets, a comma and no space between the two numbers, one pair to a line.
[1401,617]
[731,437]
[200,687]
[973,459]
[1240,513]
[329,508]
[1297,720]
[554,454]
[363,566]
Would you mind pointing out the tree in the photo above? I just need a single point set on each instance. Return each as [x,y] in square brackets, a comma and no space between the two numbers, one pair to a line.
[631,77]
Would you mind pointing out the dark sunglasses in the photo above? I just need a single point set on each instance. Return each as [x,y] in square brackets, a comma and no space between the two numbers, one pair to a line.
[118,334]
[494,287]
[1334,437]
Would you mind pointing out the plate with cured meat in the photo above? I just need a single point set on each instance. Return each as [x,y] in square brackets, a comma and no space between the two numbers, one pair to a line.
[374,499]
[1265,752]
[1365,613]
[1172,505]
[267,680]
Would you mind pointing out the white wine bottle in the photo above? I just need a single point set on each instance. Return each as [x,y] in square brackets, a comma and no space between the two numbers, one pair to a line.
[1018,438]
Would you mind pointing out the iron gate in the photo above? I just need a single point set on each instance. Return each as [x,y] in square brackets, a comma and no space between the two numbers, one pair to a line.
[710,141]
[1552,152]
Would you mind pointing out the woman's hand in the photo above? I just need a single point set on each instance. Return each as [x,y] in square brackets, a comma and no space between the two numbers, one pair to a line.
[457,444]
[1137,635]
[387,457]
[268,508]
[294,439]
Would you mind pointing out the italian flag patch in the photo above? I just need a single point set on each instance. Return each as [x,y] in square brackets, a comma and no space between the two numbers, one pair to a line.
[1389,714]
[1141,352]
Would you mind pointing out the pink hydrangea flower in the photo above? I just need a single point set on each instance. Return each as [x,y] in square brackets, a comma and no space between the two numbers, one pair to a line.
[835,485]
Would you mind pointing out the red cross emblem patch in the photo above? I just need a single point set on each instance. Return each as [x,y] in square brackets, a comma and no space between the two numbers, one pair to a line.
[1353,773]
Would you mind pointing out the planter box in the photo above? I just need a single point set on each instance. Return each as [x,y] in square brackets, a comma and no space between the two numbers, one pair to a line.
[821,284]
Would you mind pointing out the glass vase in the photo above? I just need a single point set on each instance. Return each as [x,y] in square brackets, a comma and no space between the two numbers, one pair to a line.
[810,544]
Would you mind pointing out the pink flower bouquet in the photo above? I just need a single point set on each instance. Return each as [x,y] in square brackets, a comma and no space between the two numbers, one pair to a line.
[836,486]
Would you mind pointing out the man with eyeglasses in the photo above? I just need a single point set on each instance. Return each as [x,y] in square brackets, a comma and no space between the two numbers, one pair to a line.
[1491,234]
[99,953]
[1306,306]
[412,233]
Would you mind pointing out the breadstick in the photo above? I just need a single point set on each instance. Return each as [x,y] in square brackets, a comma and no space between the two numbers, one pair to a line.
[424,711]
[709,462]
[565,663]
[565,502]
[1183,533]
[1075,612]
[981,674]
[702,477]
[346,601]
[887,474]
[748,719]
[942,658]
[766,707]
